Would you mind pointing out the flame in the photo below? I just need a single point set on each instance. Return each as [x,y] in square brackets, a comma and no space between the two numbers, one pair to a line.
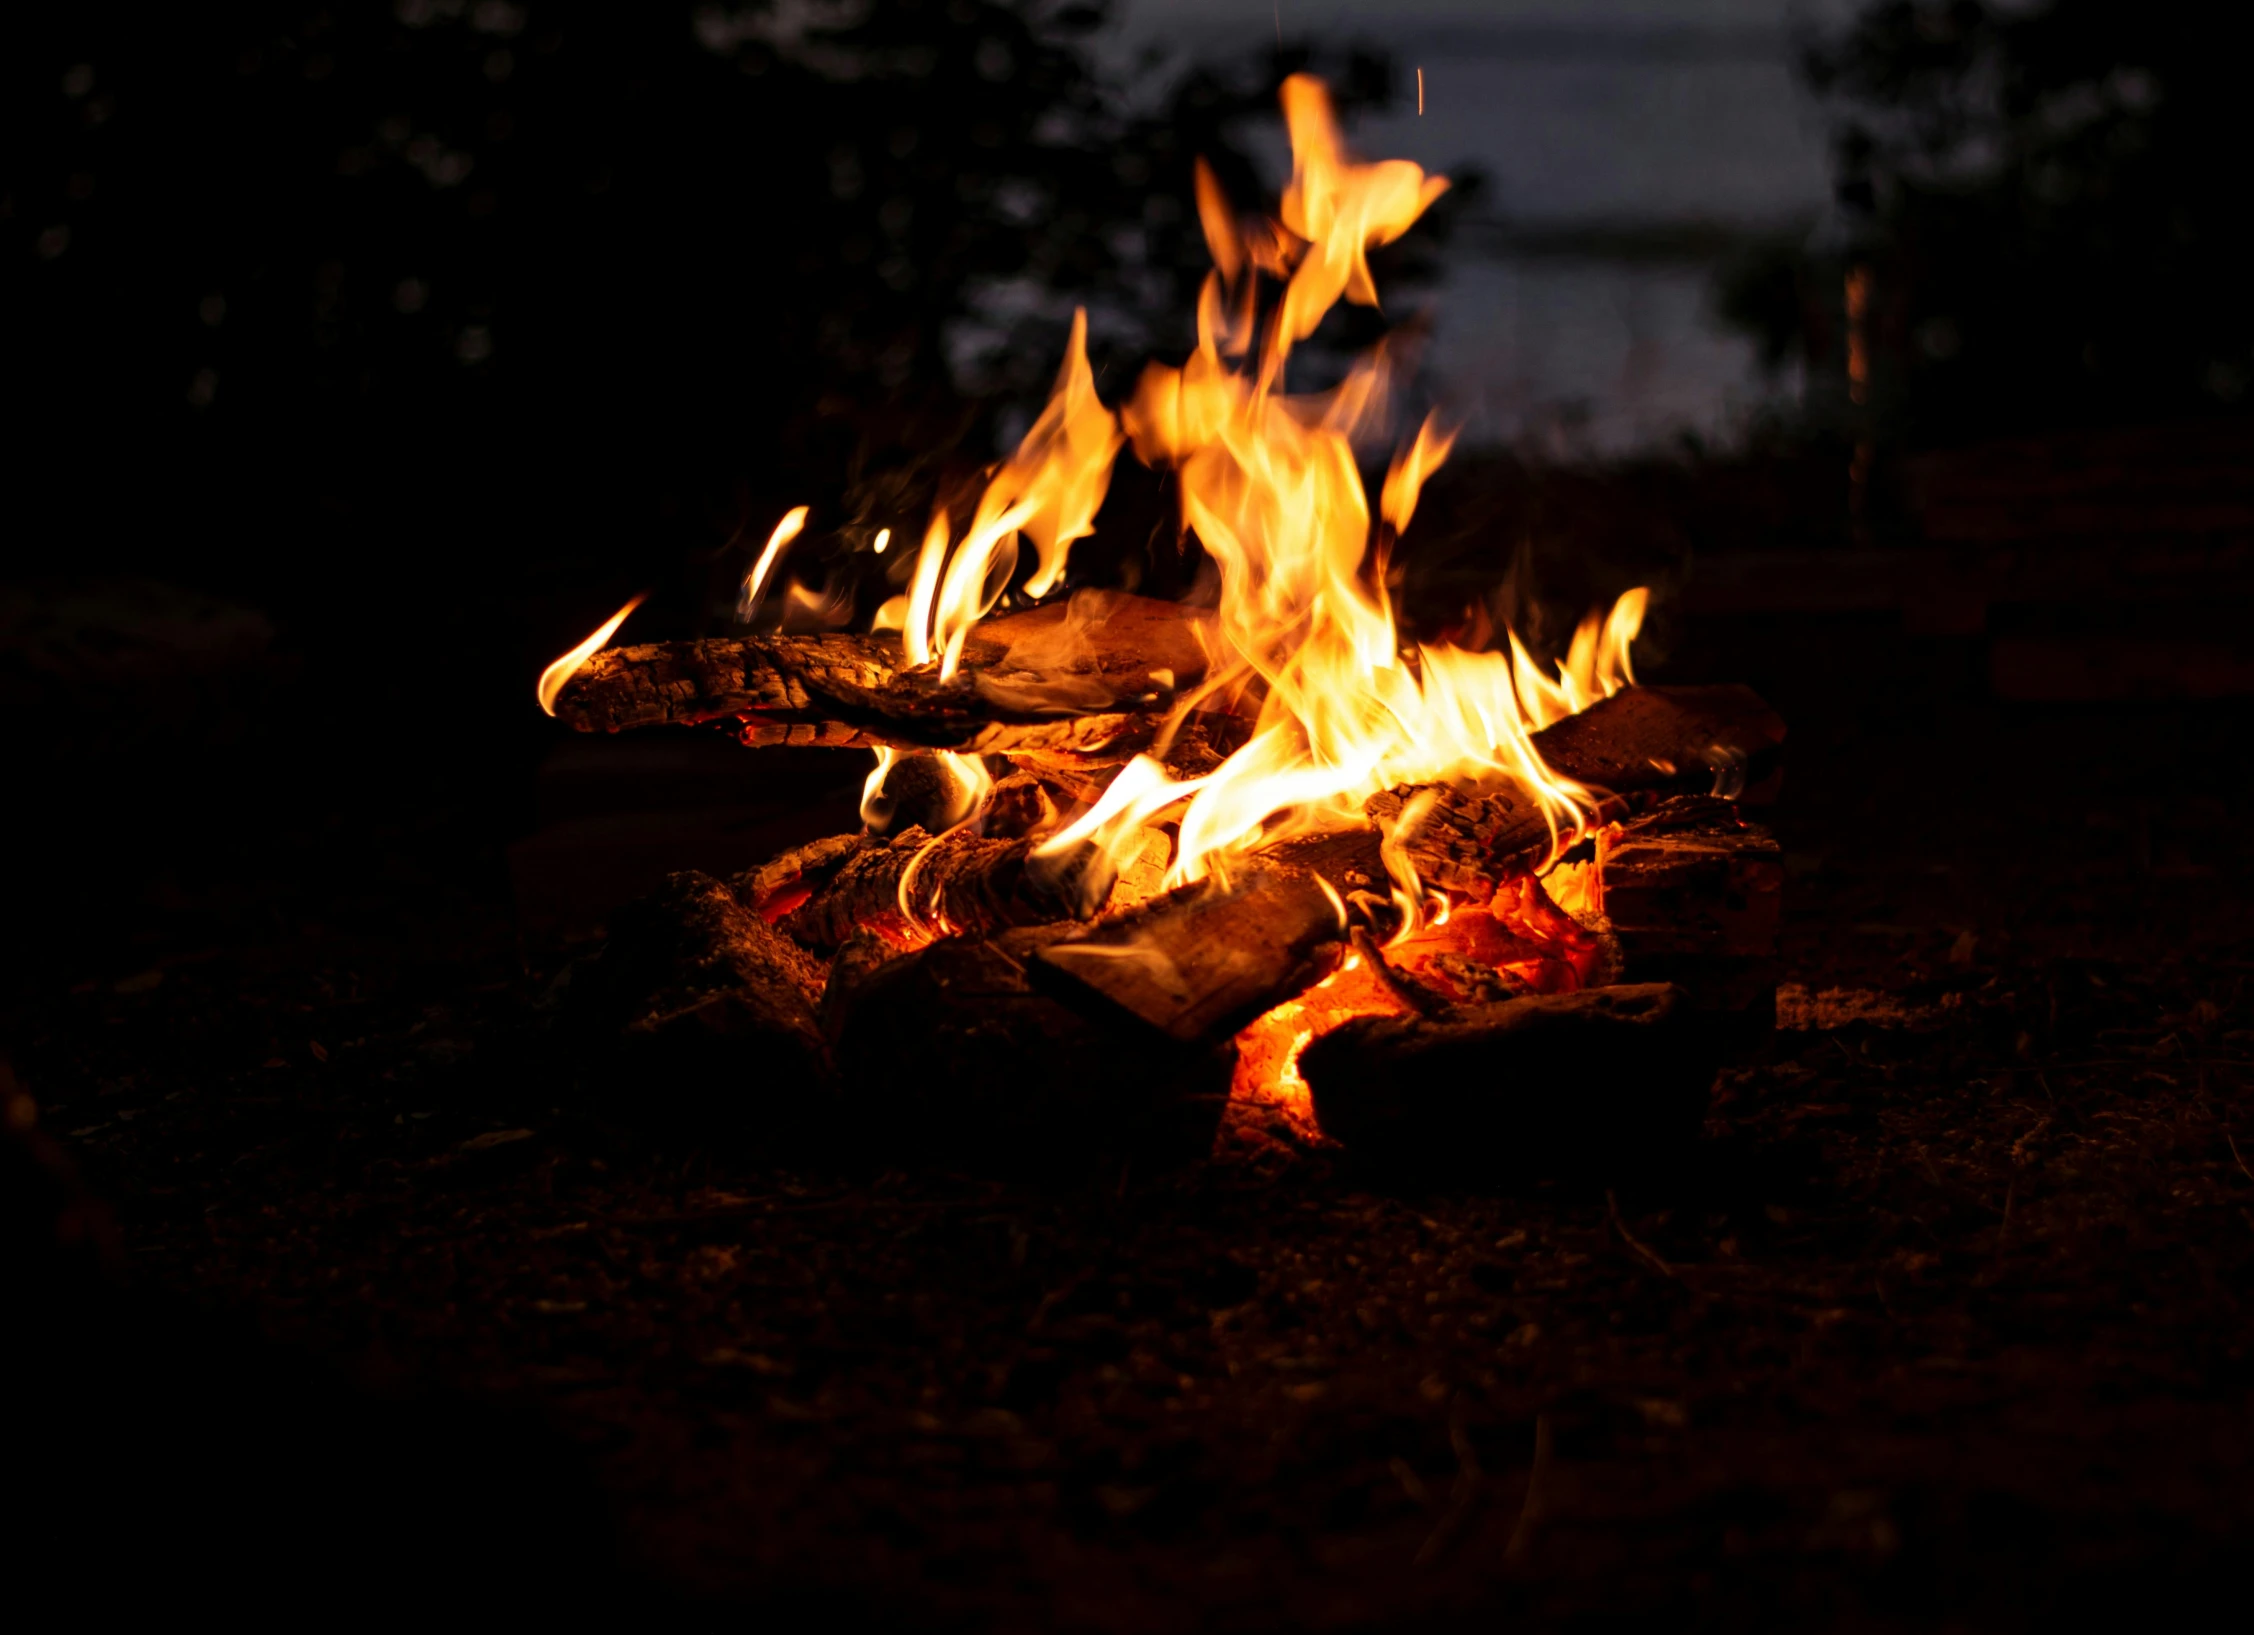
[794,521]
[872,788]
[552,679]
[1048,491]
[1270,485]
[1334,704]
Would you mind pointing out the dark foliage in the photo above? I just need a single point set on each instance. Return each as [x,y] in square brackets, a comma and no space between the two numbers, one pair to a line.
[2050,205]
[374,290]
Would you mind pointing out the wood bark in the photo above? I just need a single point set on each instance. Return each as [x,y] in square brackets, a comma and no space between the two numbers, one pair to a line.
[1691,894]
[1550,1084]
[1088,677]
[959,885]
[1201,961]
[1635,743]
[953,1049]
[710,1010]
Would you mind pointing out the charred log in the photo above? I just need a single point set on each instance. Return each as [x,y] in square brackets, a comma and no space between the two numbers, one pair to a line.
[951,1049]
[781,677]
[957,884]
[1550,1084]
[1087,678]
[776,887]
[1691,894]
[1201,961]
[1658,737]
[707,1010]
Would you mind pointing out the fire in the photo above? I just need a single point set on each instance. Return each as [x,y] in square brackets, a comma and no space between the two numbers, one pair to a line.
[552,679]
[1270,486]
[1327,702]
[793,523]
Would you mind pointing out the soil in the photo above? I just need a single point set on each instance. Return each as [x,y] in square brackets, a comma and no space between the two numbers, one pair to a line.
[1944,1320]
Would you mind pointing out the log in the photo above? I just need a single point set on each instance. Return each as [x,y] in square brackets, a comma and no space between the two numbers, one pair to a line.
[952,1050]
[1690,893]
[959,884]
[681,683]
[1690,877]
[1656,737]
[1633,744]
[1091,676]
[1202,960]
[707,1012]
[783,883]
[1192,961]
[1552,1084]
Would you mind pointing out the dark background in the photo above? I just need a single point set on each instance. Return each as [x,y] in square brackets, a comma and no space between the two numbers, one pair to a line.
[360,358]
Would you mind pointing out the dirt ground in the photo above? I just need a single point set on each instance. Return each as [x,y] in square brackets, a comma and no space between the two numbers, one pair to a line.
[1944,1321]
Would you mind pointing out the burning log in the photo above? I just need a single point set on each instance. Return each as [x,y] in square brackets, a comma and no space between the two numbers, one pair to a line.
[1558,1080]
[957,884]
[1639,740]
[1197,962]
[1201,961]
[680,683]
[952,1048]
[699,996]
[1091,676]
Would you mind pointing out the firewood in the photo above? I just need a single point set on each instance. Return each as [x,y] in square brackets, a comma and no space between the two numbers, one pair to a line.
[1653,737]
[701,1002]
[1690,877]
[958,884]
[1553,1083]
[783,883]
[1092,676]
[1639,741]
[1200,961]
[1689,893]
[951,1049]
[691,681]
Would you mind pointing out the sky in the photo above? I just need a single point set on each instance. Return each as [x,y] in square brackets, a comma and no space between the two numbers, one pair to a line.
[1598,114]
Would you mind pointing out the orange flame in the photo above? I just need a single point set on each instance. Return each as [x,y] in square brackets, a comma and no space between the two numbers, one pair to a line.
[552,679]
[1270,485]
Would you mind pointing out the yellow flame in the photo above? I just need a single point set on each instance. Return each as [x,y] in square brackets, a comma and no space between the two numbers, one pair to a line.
[794,521]
[1270,484]
[884,538]
[915,629]
[872,789]
[552,679]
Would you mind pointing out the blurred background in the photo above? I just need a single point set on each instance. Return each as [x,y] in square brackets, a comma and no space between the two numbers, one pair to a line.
[363,354]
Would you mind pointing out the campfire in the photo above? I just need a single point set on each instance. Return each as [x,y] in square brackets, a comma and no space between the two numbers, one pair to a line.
[1125,862]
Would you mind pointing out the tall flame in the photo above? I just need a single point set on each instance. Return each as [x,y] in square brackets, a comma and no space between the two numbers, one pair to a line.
[793,523]
[1270,485]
